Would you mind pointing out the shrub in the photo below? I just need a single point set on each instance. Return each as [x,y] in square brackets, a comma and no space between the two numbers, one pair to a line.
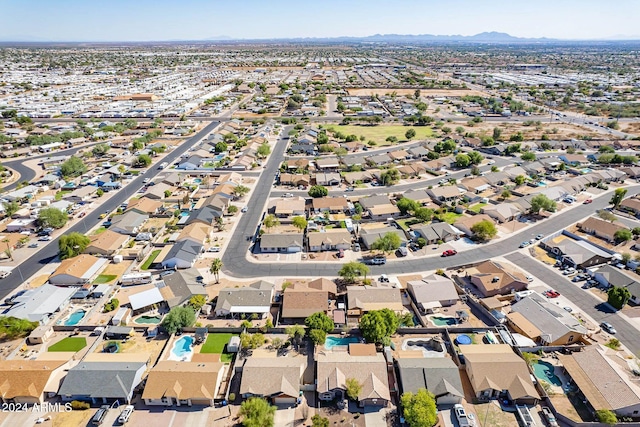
[78,405]
[232,397]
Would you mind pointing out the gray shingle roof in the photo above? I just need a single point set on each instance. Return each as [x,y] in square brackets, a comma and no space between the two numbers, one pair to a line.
[439,375]
[112,380]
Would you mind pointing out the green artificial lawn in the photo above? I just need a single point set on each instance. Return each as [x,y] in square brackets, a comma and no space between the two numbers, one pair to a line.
[150,260]
[69,344]
[215,344]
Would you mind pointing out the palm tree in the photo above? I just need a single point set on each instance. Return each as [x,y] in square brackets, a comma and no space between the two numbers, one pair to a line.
[8,250]
[215,267]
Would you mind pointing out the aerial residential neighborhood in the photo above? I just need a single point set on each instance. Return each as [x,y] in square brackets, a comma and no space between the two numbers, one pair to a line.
[263,231]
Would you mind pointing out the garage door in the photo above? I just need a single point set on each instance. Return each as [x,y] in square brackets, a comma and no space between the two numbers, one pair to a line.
[201,402]
[284,400]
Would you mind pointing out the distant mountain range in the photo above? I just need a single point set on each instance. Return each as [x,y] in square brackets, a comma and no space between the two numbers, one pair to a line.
[485,37]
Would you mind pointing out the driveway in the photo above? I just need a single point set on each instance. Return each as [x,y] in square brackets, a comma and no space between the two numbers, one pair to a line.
[284,417]
[375,417]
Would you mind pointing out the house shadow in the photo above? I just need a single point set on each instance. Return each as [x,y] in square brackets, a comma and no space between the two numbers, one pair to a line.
[604,307]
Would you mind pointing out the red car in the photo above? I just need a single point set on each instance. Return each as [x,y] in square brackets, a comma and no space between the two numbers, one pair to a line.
[586,202]
[449,252]
[551,294]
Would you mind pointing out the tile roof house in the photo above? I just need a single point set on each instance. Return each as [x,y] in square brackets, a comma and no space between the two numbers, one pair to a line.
[579,253]
[329,240]
[285,208]
[334,368]
[379,207]
[129,222]
[362,299]
[420,196]
[329,204]
[181,285]
[327,179]
[77,270]
[465,223]
[157,192]
[282,242]
[631,204]
[544,322]
[494,278]
[183,383]
[106,243]
[603,229]
[295,179]
[432,293]
[275,378]
[144,205]
[604,383]
[299,302]
[495,371]
[437,231]
[26,381]
[196,231]
[503,212]
[439,375]
[447,193]
[101,382]
[255,298]
[205,215]
[182,254]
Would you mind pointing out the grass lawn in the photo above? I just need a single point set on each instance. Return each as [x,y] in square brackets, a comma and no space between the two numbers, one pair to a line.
[69,344]
[105,278]
[477,207]
[60,194]
[408,222]
[215,344]
[150,260]
[100,230]
[450,217]
[380,133]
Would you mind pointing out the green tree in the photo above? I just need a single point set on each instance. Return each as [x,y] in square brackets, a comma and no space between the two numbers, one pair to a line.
[528,156]
[256,412]
[618,297]
[111,305]
[623,235]
[52,217]
[388,243]
[353,388]
[220,147]
[178,318]
[317,336]
[505,194]
[542,202]
[410,133]
[270,221]
[484,230]
[99,192]
[142,161]
[378,325]
[215,267]
[100,150]
[618,197]
[319,421]
[263,150]
[232,209]
[607,417]
[317,191]
[606,149]
[295,333]
[72,167]
[423,214]
[390,176]
[353,269]
[519,180]
[12,327]
[607,216]
[407,205]
[240,191]
[10,208]
[320,321]
[497,133]
[197,301]
[462,160]
[419,409]
[130,123]
[392,139]
[72,244]
[475,158]
[299,222]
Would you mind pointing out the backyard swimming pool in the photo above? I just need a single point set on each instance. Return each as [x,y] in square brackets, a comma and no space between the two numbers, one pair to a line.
[147,320]
[331,342]
[182,349]
[75,318]
[545,371]
[443,321]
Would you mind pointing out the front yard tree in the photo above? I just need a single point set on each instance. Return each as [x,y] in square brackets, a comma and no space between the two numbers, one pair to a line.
[528,156]
[390,176]
[73,167]
[353,388]
[353,269]
[215,267]
[178,318]
[317,191]
[10,208]
[484,230]
[319,321]
[299,222]
[542,202]
[256,412]
[319,421]
[72,244]
[618,297]
[475,158]
[617,197]
[407,205]
[263,150]
[462,160]
[240,191]
[388,243]
[623,235]
[52,217]
[142,161]
[419,409]
[270,221]
[520,179]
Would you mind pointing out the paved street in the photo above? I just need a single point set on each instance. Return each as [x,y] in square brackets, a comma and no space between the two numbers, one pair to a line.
[49,252]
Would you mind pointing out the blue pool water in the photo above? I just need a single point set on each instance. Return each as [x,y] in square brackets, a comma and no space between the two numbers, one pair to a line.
[184,213]
[542,184]
[182,347]
[545,371]
[197,181]
[218,157]
[443,321]
[75,318]
[331,342]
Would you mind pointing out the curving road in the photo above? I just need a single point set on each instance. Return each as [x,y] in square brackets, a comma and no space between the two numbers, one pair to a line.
[48,253]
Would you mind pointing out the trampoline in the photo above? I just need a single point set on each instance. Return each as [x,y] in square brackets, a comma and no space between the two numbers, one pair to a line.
[463,340]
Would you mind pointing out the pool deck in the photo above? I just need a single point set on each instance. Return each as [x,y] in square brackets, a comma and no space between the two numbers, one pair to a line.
[558,371]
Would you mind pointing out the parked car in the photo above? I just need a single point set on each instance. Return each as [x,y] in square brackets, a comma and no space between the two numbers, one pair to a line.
[461,415]
[568,271]
[449,252]
[125,414]
[384,278]
[341,253]
[33,245]
[568,309]
[586,202]
[45,238]
[356,247]
[214,249]
[551,419]
[524,244]
[4,274]
[608,327]
[551,293]
[540,237]
[379,260]
[244,209]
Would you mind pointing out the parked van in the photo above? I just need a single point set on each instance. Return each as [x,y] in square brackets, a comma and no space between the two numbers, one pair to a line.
[523,294]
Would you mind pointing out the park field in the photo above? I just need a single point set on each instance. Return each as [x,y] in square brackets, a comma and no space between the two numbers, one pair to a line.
[380,133]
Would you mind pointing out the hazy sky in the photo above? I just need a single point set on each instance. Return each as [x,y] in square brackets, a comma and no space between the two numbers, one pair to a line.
[143,20]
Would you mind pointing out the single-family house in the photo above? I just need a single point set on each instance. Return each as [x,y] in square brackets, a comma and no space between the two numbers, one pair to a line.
[191,163]
[603,229]
[77,270]
[300,301]
[432,293]
[503,212]
[579,253]
[295,179]
[106,243]
[608,275]
[328,164]
[41,303]
[574,159]
[158,191]
[25,382]
[439,375]
[329,204]
[437,231]
[361,363]
[285,208]
[496,372]
[466,223]
[632,204]
[379,207]
[277,379]
[282,242]
[327,178]
[369,235]
[181,285]
[329,240]
[444,194]
[255,298]
[420,196]
[182,254]
[129,222]
[496,278]
[144,205]
[362,299]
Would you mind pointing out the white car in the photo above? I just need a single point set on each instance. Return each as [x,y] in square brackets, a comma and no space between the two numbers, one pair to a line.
[125,414]
[461,415]
[146,180]
[244,209]
[45,238]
